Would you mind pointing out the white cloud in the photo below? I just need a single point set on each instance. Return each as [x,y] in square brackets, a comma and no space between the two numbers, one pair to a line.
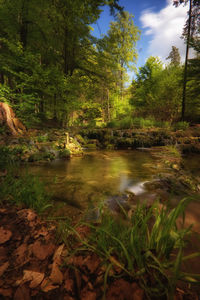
[165,29]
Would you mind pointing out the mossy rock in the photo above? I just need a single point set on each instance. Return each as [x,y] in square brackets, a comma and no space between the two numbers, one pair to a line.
[41,156]
[124,143]
[64,153]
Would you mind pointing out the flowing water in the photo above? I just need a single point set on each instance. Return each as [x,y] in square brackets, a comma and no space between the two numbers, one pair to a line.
[98,175]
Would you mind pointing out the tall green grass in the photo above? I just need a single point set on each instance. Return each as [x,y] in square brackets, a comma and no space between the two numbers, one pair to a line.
[147,248]
[25,190]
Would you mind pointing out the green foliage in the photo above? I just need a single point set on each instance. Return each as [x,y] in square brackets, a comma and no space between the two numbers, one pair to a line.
[91,146]
[143,123]
[25,190]
[171,151]
[128,122]
[143,248]
[48,57]
[5,93]
[183,125]
[113,124]
[64,153]
[122,37]
[157,92]
[42,138]
[41,156]
[124,123]
[9,154]
[174,56]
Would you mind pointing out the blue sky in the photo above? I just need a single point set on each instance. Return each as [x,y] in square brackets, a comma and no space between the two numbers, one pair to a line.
[160,22]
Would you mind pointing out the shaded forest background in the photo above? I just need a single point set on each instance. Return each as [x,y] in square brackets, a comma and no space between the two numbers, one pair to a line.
[53,68]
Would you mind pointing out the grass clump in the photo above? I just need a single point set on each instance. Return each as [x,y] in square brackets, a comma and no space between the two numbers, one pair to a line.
[147,248]
[25,190]
[172,150]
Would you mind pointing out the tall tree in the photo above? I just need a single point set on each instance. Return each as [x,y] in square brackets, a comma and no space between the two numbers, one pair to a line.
[121,43]
[174,56]
[192,25]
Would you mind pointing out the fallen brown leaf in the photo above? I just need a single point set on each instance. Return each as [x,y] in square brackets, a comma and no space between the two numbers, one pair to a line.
[41,232]
[56,275]
[27,214]
[137,292]
[6,292]
[69,284]
[3,254]
[1,282]
[67,297]
[57,254]
[89,295]
[20,253]
[47,285]
[42,251]
[22,293]
[123,290]
[92,262]
[77,260]
[35,278]
[83,231]
[5,235]
[3,268]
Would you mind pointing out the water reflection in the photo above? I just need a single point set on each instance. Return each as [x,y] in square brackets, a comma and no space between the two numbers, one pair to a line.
[96,175]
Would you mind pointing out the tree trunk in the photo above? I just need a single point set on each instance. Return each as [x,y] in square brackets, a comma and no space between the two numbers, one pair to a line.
[108,106]
[186,63]
[1,78]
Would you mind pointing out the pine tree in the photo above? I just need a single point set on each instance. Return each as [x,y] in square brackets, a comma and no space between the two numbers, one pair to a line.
[174,56]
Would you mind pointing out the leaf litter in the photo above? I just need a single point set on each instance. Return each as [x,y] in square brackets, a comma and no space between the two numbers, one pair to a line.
[33,265]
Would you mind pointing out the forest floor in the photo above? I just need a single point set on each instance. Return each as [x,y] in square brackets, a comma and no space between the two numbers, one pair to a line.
[34,265]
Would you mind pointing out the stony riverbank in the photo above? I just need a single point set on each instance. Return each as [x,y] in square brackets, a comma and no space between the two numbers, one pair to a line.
[187,140]
[49,144]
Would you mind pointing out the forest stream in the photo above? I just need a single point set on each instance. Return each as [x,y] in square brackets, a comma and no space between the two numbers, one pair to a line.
[85,182]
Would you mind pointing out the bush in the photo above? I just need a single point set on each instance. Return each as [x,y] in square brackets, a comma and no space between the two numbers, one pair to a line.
[143,123]
[113,124]
[181,125]
[126,123]
[162,124]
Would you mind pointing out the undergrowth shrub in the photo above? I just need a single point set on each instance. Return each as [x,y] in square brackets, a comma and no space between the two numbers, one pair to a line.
[183,125]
